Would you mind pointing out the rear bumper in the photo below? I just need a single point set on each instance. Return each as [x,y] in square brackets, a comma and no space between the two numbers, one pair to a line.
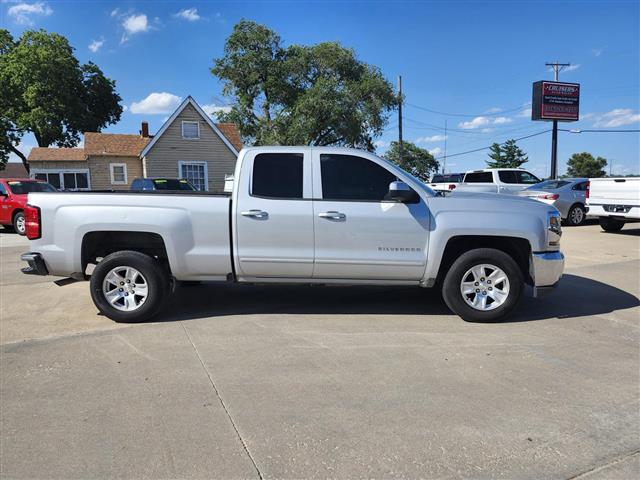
[621,212]
[546,268]
[36,264]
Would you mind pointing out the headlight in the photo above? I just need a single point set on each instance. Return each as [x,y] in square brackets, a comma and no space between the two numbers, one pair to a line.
[554,230]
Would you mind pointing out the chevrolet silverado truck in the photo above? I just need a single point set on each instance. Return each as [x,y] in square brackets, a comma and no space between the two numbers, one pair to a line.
[301,215]
[614,201]
[497,180]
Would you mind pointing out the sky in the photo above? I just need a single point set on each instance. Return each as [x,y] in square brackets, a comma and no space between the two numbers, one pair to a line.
[464,63]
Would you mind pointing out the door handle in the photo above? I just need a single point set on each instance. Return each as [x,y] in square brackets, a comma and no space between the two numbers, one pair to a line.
[255,214]
[332,215]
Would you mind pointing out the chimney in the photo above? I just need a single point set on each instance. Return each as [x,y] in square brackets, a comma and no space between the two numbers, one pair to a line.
[144,132]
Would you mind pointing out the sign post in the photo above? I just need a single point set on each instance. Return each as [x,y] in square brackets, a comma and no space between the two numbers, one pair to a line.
[558,102]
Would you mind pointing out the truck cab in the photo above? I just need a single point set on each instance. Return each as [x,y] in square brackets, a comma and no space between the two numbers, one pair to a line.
[498,180]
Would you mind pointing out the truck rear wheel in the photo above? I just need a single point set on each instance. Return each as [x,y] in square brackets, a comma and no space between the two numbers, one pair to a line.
[129,286]
[483,285]
[611,224]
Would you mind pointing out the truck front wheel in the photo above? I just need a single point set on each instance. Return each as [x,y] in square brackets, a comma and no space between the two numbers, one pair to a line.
[129,286]
[611,224]
[483,285]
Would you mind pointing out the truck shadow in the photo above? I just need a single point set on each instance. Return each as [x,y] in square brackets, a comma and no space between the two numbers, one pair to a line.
[574,297]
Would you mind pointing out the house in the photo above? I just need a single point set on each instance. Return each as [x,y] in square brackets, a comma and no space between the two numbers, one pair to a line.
[189,145]
[13,170]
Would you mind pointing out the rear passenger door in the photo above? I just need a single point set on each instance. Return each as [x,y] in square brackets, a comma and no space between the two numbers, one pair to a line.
[274,216]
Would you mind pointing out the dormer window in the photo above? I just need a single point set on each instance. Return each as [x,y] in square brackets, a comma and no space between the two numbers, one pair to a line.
[191,130]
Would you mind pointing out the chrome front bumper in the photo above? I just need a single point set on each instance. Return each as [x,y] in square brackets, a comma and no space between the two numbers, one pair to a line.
[546,269]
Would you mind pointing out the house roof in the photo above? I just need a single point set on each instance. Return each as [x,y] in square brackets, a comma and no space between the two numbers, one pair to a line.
[47,154]
[232,141]
[230,130]
[113,144]
[13,170]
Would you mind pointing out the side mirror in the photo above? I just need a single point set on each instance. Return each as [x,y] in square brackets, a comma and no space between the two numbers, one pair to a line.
[401,192]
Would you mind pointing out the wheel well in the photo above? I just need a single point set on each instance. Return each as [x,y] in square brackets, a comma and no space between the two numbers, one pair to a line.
[517,248]
[15,212]
[97,245]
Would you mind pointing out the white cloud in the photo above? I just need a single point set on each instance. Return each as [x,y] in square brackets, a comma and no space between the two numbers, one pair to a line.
[212,109]
[525,113]
[570,68]
[189,14]
[134,24]
[597,51]
[479,122]
[96,45]
[22,13]
[617,118]
[156,103]
[435,151]
[115,12]
[486,130]
[494,110]
[381,144]
[431,139]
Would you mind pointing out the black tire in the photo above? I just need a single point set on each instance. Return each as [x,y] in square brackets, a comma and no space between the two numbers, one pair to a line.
[576,215]
[611,224]
[18,224]
[454,277]
[157,279]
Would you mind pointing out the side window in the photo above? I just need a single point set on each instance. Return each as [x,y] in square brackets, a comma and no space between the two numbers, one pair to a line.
[479,177]
[437,179]
[3,190]
[277,175]
[581,187]
[347,177]
[508,176]
[527,178]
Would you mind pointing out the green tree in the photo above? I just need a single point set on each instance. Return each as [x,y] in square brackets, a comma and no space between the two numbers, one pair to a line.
[44,90]
[506,155]
[585,165]
[301,95]
[415,160]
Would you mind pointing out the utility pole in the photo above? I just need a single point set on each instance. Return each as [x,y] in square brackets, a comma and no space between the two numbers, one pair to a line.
[400,116]
[557,67]
[444,161]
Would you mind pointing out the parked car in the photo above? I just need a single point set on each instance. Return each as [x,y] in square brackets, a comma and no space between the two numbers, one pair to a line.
[173,184]
[13,198]
[614,201]
[497,180]
[568,195]
[445,182]
[358,219]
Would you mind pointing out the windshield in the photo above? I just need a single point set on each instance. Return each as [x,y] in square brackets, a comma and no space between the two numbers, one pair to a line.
[549,185]
[22,188]
[173,184]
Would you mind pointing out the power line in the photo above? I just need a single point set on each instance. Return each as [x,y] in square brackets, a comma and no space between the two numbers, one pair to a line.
[486,148]
[579,130]
[449,114]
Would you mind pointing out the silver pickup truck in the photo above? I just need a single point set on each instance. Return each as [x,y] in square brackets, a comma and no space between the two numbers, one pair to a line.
[298,215]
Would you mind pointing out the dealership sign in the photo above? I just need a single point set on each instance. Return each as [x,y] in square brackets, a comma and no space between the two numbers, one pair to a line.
[555,101]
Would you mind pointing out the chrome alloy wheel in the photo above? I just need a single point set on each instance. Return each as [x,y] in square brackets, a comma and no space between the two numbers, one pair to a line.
[484,287]
[576,215]
[125,288]
[21,225]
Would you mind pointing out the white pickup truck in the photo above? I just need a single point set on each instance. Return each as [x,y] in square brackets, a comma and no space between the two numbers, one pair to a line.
[298,215]
[614,201]
[497,180]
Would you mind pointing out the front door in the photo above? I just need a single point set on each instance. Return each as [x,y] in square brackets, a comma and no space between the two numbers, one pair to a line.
[359,234]
[274,216]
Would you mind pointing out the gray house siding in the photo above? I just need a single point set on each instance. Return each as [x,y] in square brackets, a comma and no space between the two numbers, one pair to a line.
[170,149]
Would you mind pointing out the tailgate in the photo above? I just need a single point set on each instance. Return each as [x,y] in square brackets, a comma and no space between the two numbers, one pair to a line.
[614,190]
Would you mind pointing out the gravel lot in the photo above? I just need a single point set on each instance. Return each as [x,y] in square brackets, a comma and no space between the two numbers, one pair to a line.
[312,382]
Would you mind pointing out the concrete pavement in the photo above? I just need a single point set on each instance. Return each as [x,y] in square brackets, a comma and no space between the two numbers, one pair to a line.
[312,382]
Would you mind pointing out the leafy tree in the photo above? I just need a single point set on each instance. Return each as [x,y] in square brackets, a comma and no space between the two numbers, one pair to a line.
[415,160]
[44,90]
[585,165]
[506,155]
[301,95]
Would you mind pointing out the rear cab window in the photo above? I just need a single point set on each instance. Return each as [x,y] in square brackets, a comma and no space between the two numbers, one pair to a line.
[278,176]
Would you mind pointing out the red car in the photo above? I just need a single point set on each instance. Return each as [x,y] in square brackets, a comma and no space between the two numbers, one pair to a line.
[13,198]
